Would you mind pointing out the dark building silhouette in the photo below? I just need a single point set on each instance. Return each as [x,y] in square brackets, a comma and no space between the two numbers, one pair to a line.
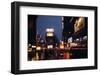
[69,30]
[32,29]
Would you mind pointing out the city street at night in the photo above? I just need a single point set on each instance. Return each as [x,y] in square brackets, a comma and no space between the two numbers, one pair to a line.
[57,37]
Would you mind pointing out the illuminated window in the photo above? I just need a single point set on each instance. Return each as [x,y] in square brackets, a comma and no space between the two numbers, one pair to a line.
[50,34]
[49,30]
[50,46]
[70,40]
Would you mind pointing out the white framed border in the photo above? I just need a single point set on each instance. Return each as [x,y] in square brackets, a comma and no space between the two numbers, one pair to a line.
[26,65]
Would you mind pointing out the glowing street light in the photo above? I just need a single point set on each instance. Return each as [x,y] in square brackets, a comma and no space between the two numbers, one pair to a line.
[33,46]
[61,45]
[38,48]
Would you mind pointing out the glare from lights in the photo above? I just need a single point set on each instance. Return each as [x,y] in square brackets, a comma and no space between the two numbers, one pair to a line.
[50,46]
[50,34]
[77,39]
[70,40]
[33,46]
[73,44]
[49,30]
[79,24]
[38,48]
[61,46]
[29,45]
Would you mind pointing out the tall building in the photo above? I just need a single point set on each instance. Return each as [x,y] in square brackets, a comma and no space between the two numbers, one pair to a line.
[51,38]
[51,41]
[32,29]
[75,31]
[68,27]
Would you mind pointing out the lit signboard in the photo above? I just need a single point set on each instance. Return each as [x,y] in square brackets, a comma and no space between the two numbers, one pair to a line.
[79,24]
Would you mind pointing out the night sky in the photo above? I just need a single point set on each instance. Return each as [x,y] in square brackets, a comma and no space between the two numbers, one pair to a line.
[44,22]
